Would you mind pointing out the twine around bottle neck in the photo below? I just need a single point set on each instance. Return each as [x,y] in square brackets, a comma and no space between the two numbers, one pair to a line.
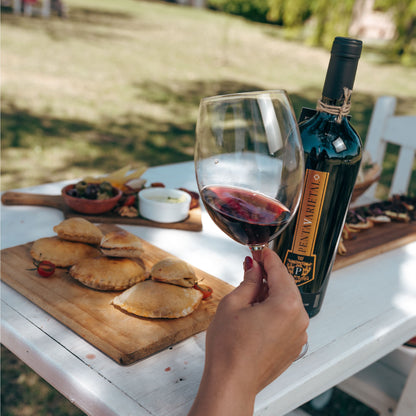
[340,111]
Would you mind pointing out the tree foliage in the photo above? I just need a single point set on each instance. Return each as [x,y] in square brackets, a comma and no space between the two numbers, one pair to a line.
[255,10]
[326,18]
[289,12]
[404,14]
[330,17]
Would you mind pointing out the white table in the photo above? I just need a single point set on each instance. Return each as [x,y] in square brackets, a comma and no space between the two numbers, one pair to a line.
[369,310]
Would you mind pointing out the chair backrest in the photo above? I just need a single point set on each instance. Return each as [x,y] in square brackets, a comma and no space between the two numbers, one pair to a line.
[385,128]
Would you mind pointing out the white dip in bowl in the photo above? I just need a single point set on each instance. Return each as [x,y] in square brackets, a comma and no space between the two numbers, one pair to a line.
[164,205]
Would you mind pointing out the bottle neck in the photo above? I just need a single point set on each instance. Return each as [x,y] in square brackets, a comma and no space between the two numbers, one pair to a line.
[337,102]
[338,107]
[340,76]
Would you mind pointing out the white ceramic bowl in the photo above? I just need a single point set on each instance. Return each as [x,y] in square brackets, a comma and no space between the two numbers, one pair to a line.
[164,205]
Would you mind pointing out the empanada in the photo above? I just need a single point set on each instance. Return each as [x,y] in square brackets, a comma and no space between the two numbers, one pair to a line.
[79,229]
[174,271]
[61,253]
[151,299]
[106,273]
[121,243]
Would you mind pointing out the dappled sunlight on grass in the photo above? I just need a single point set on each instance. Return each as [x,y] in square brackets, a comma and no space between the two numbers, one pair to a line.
[120,82]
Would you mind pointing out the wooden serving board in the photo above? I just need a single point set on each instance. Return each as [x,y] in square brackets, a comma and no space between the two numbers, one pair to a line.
[192,223]
[124,337]
[376,240]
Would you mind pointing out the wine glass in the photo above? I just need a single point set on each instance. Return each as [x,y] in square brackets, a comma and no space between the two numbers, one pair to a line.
[249,166]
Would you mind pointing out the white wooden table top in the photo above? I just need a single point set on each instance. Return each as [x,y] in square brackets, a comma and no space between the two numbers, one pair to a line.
[369,310]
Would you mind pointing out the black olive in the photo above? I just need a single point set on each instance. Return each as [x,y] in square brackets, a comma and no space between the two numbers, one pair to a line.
[73,192]
[91,191]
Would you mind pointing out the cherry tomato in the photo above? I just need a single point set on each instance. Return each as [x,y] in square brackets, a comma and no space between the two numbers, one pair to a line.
[411,342]
[46,268]
[204,289]
[130,200]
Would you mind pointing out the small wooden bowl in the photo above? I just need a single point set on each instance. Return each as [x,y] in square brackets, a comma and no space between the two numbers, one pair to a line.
[90,206]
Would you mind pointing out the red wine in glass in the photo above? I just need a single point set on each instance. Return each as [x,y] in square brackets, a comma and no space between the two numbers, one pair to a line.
[248,217]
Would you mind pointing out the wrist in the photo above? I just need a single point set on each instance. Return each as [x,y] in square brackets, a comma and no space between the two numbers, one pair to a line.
[223,394]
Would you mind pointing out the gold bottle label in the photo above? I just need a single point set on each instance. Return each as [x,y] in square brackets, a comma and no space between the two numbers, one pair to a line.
[300,260]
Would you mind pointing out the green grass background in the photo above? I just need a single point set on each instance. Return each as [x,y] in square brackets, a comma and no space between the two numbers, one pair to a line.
[120,82]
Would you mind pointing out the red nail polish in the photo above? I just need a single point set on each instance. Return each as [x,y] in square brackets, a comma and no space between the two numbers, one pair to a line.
[248,263]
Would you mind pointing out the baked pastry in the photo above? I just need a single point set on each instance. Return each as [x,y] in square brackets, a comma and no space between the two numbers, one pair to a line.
[61,253]
[106,273]
[174,271]
[151,299]
[79,229]
[121,243]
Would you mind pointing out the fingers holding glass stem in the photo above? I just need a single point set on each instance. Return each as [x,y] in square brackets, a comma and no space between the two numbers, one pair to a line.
[257,252]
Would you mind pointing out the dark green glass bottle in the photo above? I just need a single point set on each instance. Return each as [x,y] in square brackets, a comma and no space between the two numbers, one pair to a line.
[332,149]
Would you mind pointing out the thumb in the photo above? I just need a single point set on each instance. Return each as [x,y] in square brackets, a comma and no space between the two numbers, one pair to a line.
[280,282]
[249,288]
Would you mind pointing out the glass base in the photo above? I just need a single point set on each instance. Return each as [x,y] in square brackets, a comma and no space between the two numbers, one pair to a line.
[303,352]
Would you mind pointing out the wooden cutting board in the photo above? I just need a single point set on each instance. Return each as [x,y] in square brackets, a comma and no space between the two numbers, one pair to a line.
[192,223]
[376,240]
[123,337]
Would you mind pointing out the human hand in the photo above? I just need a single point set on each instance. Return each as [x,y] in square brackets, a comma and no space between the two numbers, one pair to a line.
[250,342]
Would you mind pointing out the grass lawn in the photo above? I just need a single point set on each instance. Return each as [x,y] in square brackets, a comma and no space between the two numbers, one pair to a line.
[119,82]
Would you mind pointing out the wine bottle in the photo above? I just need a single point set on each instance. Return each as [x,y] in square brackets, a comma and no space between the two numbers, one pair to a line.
[333,150]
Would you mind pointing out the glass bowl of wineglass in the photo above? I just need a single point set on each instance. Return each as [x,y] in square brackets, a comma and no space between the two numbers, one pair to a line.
[249,164]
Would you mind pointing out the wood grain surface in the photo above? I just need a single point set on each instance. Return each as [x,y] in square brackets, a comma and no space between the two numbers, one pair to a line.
[192,223]
[122,336]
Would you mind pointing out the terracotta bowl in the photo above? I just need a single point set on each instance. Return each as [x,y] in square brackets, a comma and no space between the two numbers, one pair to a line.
[90,206]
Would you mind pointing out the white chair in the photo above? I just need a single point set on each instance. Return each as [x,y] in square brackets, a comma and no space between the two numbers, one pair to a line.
[384,128]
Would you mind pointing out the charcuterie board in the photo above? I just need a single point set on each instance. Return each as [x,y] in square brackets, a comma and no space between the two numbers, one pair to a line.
[376,240]
[191,223]
[123,337]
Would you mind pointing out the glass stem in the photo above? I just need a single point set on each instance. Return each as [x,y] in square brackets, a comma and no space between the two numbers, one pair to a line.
[257,253]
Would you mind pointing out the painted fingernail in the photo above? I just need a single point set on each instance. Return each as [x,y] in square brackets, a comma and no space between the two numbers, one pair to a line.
[248,263]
